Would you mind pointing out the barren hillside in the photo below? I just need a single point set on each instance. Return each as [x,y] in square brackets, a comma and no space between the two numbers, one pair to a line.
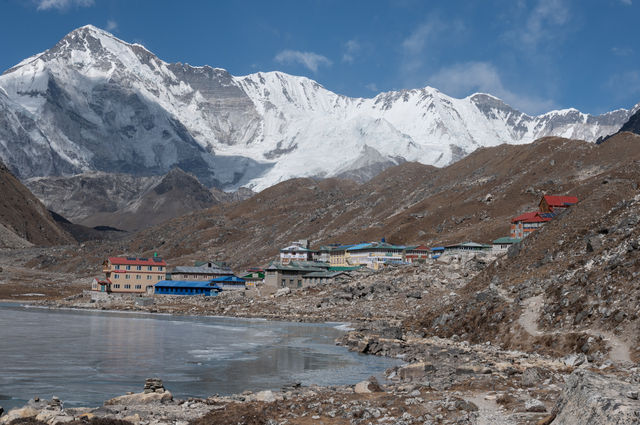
[23,219]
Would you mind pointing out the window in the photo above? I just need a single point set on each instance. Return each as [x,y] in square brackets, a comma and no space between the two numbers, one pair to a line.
[284,282]
[117,285]
[160,268]
[149,277]
[127,286]
[149,268]
[299,283]
[128,267]
[127,276]
[138,267]
[116,276]
[159,277]
[138,286]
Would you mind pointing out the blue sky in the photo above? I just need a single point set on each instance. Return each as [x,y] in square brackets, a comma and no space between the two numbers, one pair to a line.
[537,55]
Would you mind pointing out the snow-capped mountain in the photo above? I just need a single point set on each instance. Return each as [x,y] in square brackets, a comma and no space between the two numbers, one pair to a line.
[94,102]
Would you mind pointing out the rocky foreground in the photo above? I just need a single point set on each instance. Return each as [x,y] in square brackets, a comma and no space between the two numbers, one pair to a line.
[464,379]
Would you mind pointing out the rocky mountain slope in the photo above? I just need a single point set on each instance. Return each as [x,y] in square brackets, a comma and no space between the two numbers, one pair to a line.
[94,102]
[124,201]
[473,199]
[569,286]
[24,221]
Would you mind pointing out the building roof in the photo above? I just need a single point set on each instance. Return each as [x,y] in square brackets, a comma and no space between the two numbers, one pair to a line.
[346,268]
[417,248]
[328,274]
[295,248]
[302,266]
[468,244]
[133,261]
[531,217]
[560,201]
[227,279]
[506,240]
[374,245]
[183,284]
[205,269]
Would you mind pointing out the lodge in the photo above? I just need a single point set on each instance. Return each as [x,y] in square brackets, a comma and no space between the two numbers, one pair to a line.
[130,275]
[201,271]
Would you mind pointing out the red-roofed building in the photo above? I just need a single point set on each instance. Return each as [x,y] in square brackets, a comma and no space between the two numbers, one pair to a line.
[131,274]
[526,223]
[556,204]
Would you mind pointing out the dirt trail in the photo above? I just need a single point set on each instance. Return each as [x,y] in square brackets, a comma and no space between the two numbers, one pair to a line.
[489,413]
[620,351]
[529,318]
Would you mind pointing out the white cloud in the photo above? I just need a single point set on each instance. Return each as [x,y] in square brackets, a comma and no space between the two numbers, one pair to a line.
[627,2]
[111,25]
[414,45]
[309,60]
[62,4]
[351,48]
[622,51]
[543,21]
[372,86]
[464,79]
[625,84]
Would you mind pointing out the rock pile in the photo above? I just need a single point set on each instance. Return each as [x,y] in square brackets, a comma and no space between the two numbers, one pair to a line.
[153,385]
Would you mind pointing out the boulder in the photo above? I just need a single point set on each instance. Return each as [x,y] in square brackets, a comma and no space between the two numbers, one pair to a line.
[534,376]
[267,396]
[139,398]
[591,398]
[282,292]
[416,371]
[19,413]
[534,405]
[369,386]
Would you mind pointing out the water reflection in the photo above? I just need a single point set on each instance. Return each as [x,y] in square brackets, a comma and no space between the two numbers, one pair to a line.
[85,357]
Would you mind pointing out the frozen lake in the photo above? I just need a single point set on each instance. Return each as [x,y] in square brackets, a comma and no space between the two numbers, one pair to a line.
[87,357]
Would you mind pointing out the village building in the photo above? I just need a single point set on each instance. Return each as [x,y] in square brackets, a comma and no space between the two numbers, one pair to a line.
[253,277]
[325,277]
[290,275]
[524,224]
[186,287]
[467,248]
[556,204]
[297,251]
[130,275]
[413,254]
[501,245]
[229,283]
[323,254]
[201,271]
[373,255]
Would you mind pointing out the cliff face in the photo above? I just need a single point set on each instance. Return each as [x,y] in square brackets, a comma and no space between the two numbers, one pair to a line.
[24,221]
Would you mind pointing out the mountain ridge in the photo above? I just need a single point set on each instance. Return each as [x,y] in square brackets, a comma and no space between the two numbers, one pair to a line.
[96,103]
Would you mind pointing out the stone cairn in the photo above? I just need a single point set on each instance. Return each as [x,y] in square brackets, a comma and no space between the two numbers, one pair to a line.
[153,385]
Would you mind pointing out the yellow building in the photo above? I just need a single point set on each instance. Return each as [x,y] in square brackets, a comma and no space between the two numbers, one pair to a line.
[131,275]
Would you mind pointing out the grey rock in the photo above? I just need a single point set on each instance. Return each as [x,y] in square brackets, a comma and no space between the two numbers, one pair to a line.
[591,398]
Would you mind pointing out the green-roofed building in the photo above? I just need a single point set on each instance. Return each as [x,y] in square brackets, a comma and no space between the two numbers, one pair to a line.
[501,245]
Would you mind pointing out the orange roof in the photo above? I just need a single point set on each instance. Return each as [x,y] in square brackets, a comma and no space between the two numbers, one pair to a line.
[560,201]
[132,261]
[530,217]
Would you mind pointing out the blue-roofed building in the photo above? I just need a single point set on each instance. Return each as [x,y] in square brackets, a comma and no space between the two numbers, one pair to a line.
[229,283]
[186,287]
[437,251]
